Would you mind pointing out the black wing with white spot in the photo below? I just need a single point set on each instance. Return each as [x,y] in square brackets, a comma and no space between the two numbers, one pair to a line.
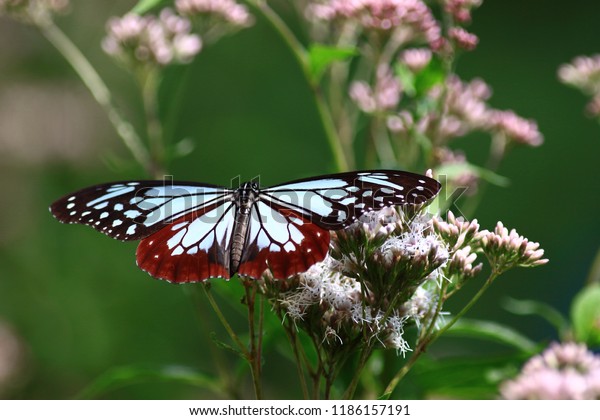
[133,210]
[335,201]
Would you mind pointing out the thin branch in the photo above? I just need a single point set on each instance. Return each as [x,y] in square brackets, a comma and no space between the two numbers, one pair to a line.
[293,340]
[149,80]
[362,361]
[204,323]
[428,340]
[301,56]
[224,322]
[99,91]
[253,356]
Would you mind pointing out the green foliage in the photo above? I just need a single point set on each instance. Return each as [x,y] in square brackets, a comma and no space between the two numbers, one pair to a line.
[453,169]
[492,331]
[541,309]
[471,377]
[585,314]
[320,57]
[420,82]
[131,375]
[145,6]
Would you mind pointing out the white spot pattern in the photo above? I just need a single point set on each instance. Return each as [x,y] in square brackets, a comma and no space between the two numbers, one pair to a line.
[268,227]
[380,180]
[112,192]
[202,233]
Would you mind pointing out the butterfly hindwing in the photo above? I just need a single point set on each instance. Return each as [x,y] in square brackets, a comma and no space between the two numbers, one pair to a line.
[135,209]
[281,240]
[192,248]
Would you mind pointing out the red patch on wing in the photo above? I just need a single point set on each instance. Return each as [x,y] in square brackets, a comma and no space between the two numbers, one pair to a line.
[166,255]
[285,259]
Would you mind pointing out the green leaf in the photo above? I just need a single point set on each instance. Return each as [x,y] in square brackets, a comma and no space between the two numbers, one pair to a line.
[420,82]
[585,315]
[454,169]
[492,331]
[129,375]
[541,309]
[406,78]
[222,345]
[594,274]
[432,75]
[470,377]
[183,148]
[322,56]
[144,6]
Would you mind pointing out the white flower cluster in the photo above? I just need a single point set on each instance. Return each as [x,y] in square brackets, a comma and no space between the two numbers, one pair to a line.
[227,10]
[392,268]
[413,17]
[414,243]
[340,298]
[408,240]
[32,10]
[383,97]
[458,234]
[341,303]
[161,40]
[420,307]
[321,284]
[509,249]
[567,371]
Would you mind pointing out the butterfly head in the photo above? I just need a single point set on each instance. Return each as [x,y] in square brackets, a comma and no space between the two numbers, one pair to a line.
[246,194]
[250,186]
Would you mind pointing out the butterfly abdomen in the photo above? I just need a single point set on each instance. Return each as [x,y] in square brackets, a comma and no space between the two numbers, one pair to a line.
[244,199]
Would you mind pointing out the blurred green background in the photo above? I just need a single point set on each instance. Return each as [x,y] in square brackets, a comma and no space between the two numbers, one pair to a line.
[76,300]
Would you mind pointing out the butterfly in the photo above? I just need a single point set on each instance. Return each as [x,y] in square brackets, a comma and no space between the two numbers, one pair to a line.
[192,231]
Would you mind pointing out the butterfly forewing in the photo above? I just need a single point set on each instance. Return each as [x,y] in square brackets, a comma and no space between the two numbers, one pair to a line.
[281,240]
[135,209]
[335,201]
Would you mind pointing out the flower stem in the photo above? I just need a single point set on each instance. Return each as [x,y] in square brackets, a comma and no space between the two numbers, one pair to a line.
[302,59]
[292,338]
[232,334]
[205,327]
[149,81]
[99,90]
[493,275]
[498,148]
[430,338]
[381,141]
[341,113]
[362,361]
[254,356]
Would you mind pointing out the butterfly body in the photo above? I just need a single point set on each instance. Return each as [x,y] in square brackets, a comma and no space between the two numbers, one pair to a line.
[244,198]
[193,231]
